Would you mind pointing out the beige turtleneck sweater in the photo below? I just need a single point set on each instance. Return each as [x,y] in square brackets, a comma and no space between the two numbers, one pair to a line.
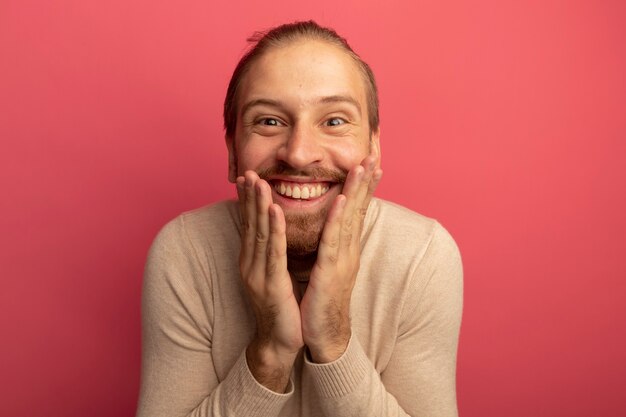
[406,313]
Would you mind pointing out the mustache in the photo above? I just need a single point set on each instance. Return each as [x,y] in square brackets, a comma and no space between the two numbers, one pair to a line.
[334,175]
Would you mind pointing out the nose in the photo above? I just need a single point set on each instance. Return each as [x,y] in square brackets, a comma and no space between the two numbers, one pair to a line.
[302,148]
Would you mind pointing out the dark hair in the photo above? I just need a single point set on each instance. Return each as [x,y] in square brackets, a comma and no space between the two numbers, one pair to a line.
[283,34]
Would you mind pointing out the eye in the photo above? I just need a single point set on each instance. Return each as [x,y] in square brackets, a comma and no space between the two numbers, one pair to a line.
[335,121]
[268,121]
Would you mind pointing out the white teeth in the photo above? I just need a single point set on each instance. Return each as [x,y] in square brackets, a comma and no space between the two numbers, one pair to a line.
[301,192]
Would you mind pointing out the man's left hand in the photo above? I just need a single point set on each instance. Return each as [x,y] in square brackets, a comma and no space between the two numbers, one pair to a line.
[325,306]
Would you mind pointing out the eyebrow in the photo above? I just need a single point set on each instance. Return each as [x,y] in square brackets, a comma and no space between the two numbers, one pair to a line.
[322,100]
[260,102]
[341,99]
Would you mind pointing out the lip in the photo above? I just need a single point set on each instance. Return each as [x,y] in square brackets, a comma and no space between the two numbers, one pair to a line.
[287,178]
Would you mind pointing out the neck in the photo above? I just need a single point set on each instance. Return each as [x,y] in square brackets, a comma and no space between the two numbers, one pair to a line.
[300,266]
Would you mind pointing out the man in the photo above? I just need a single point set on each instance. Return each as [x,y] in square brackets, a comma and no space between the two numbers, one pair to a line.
[306,297]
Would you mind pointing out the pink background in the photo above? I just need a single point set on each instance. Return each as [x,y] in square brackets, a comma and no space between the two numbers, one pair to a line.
[504,120]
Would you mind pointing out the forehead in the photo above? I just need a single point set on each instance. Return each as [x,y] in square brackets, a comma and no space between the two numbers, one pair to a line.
[301,72]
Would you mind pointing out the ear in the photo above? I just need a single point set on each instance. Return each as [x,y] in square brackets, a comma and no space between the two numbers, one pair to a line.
[232,160]
[375,146]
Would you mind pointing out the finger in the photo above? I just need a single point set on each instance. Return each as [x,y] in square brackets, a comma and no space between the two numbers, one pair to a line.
[277,244]
[351,187]
[241,198]
[362,198]
[369,182]
[350,191]
[328,251]
[249,221]
[263,201]
[369,165]
[376,177]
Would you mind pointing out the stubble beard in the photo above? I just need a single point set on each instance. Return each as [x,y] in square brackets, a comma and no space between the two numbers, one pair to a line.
[304,232]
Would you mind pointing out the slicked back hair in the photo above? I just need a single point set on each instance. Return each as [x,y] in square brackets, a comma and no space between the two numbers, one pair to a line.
[283,35]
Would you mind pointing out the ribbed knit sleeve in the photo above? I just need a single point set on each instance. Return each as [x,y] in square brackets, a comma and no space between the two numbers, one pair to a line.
[421,372]
[342,376]
[178,375]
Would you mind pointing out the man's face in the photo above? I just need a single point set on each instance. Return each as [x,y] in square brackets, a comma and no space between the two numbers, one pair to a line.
[302,124]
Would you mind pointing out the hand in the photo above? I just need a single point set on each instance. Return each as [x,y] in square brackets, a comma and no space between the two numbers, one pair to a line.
[325,307]
[263,267]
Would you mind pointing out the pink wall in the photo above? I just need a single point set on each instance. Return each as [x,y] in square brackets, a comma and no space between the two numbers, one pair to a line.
[505,120]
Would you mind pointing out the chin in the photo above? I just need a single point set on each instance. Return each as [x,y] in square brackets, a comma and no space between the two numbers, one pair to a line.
[301,249]
[304,233]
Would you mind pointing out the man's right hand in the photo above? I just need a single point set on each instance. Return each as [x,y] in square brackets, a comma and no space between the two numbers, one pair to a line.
[263,267]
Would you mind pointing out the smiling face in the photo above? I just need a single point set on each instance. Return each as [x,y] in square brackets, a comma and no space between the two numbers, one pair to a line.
[302,124]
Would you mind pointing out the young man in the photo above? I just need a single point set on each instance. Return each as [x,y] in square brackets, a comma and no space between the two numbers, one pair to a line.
[307,297]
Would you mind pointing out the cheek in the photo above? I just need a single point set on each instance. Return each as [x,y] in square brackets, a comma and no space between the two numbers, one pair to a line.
[347,155]
[254,155]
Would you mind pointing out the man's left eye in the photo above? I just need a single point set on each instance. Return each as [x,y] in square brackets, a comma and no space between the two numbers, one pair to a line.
[335,121]
[269,121]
